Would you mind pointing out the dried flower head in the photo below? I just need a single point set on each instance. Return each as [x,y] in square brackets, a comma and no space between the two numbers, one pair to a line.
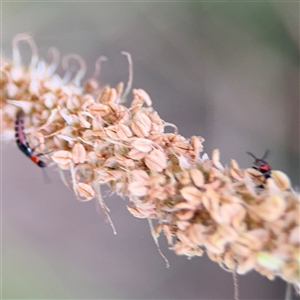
[197,203]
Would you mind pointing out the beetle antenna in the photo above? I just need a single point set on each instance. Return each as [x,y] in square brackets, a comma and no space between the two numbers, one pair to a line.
[266,154]
[252,155]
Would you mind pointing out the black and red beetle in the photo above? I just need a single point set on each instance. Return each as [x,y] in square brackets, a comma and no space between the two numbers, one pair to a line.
[261,165]
[22,142]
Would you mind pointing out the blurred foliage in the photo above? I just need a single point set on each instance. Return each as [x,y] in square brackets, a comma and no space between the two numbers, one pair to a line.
[259,20]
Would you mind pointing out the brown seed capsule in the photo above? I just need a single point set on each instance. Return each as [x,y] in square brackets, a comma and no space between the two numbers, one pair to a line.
[135,212]
[124,161]
[192,195]
[183,238]
[254,239]
[281,180]
[235,171]
[62,157]
[72,103]
[156,160]
[85,191]
[214,243]
[108,95]
[136,154]
[196,144]
[139,175]
[87,100]
[211,200]
[184,205]
[123,132]
[78,153]
[196,233]
[247,265]
[141,125]
[216,159]
[257,176]
[141,94]
[271,209]
[49,99]
[185,215]
[83,122]
[184,177]
[143,145]
[99,109]
[111,131]
[183,225]
[197,177]
[240,249]
[234,164]
[138,188]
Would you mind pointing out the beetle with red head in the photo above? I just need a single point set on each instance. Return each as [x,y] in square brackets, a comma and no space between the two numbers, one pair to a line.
[22,142]
[261,165]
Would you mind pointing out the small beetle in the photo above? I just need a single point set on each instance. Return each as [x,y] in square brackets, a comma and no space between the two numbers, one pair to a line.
[22,142]
[261,165]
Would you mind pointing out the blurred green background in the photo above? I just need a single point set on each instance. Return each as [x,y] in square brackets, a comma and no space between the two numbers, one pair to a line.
[226,71]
